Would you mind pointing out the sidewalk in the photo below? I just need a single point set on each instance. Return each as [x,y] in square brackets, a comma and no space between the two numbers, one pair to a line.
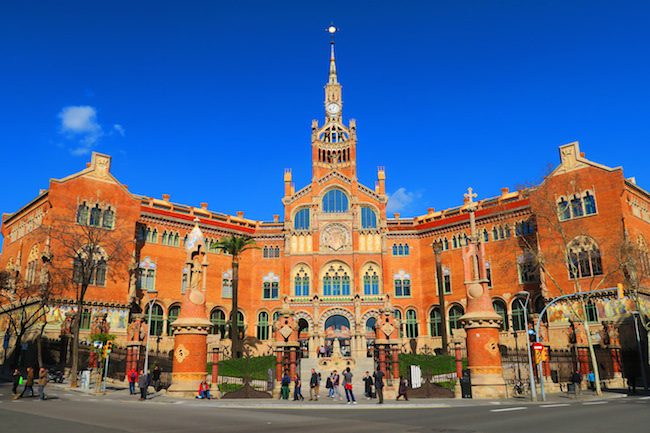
[120,393]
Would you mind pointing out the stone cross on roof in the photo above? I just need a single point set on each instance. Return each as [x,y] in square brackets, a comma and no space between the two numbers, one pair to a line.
[470,195]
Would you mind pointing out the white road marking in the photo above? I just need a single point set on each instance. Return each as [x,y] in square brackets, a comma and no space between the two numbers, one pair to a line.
[507,409]
[644,398]
[556,405]
[589,403]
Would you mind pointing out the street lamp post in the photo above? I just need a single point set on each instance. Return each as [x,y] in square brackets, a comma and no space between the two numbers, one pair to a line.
[437,249]
[531,374]
[635,316]
[153,293]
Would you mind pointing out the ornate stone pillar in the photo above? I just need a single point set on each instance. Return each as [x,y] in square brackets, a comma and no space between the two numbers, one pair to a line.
[136,335]
[583,360]
[382,358]
[192,326]
[215,365]
[482,323]
[395,360]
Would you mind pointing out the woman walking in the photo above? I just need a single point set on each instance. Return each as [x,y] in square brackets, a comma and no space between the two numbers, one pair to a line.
[347,385]
[29,384]
[403,388]
[297,391]
[42,381]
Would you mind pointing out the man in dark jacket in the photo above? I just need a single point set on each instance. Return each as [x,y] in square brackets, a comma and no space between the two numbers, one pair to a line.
[379,384]
[155,376]
[143,383]
[15,378]
[368,382]
[576,379]
[314,386]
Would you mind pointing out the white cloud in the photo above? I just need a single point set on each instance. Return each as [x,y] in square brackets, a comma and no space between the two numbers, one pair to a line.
[119,129]
[80,126]
[400,200]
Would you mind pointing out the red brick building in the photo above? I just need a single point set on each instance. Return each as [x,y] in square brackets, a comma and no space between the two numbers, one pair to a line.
[336,257]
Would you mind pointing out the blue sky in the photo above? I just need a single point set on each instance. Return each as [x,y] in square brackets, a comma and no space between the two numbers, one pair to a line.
[210,101]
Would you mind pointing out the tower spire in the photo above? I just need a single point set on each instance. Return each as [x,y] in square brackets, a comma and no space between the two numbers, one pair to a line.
[332,79]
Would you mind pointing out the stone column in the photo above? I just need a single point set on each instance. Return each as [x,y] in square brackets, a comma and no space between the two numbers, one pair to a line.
[482,323]
[583,360]
[192,326]
[215,365]
[382,359]
[459,358]
[395,353]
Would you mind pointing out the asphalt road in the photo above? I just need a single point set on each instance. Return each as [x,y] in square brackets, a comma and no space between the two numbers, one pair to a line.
[72,413]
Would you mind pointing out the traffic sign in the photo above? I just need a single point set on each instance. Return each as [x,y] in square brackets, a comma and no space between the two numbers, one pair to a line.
[538,346]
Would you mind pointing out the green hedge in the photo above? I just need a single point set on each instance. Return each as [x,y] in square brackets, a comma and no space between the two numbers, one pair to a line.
[255,367]
[429,364]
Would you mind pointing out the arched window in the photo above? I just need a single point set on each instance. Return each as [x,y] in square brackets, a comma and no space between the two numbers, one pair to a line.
[301,283]
[576,207]
[172,315]
[445,244]
[592,312]
[301,219]
[335,201]
[218,320]
[590,203]
[82,214]
[486,236]
[446,280]
[263,326]
[507,231]
[100,273]
[176,240]
[455,313]
[402,283]
[95,216]
[500,308]
[370,327]
[584,258]
[108,218]
[165,237]
[488,274]
[371,282]
[518,322]
[394,249]
[156,324]
[406,250]
[265,252]
[336,281]
[435,322]
[411,324]
[495,233]
[563,209]
[398,318]
[32,264]
[454,242]
[368,218]
[644,256]
[147,274]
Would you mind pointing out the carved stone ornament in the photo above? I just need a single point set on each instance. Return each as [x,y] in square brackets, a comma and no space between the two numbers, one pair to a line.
[387,329]
[336,237]
[181,353]
[286,331]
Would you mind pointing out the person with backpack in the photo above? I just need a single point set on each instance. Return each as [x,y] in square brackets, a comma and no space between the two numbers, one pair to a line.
[328,386]
[297,389]
[576,379]
[336,380]
[132,377]
[155,377]
[314,385]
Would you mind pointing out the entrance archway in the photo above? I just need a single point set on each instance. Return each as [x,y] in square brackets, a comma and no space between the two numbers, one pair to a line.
[337,327]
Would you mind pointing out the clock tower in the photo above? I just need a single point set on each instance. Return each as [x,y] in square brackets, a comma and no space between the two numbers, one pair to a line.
[333,143]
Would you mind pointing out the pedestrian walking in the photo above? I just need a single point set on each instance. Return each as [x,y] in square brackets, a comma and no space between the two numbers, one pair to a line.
[314,386]
[347,385]
[336,381]
[379,384]
[328,386]
[576,379]
[29,383]
[155,377]
[132,377]
[321,352]
[284,390]
[143,383]
[16,378]
[403,389]
[42,381]
[297,389]
[368,382]
[591,377]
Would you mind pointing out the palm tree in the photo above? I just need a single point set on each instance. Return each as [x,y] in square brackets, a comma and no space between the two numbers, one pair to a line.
[235,245]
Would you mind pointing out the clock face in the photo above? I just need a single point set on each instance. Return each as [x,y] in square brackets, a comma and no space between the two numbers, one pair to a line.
[333,108]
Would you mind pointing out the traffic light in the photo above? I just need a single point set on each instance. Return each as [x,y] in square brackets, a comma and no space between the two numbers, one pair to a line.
[619,291]
[109,346]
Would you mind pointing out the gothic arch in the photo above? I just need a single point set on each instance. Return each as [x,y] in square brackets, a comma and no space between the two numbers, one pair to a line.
[338,311]
[367,315]
[304,315]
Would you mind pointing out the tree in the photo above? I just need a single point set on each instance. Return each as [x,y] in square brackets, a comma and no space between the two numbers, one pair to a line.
[234,246]
[86,256]
[25,304]
[563,243]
